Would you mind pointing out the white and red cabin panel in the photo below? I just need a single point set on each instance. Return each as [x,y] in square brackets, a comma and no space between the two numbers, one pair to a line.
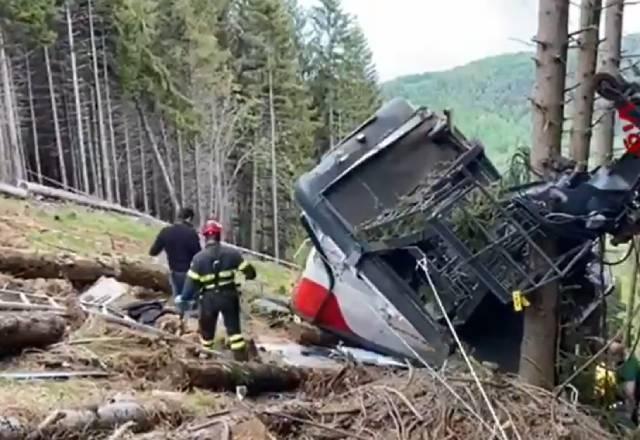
[351,309]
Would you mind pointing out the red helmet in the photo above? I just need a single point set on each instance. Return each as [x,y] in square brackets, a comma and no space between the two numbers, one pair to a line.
[211,227]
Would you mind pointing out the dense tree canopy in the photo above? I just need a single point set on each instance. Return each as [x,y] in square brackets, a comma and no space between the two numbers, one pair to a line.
[220,104]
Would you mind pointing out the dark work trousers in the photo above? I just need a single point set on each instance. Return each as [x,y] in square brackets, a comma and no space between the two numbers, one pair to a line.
[227,302]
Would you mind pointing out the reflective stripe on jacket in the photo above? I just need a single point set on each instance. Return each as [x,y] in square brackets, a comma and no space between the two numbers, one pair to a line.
[215,258]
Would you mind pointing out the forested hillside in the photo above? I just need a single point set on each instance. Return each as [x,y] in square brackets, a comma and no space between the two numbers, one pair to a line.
[489,97]
[156,104]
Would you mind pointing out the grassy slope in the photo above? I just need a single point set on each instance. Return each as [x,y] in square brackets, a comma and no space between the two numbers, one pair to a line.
[69,228]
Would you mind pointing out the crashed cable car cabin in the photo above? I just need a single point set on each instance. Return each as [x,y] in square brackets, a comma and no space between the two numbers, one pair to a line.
[411,226]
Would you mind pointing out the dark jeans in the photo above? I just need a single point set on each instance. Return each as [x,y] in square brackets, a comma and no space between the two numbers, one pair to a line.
[177,279]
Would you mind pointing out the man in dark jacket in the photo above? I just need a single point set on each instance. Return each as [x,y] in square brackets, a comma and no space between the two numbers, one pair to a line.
[180,242]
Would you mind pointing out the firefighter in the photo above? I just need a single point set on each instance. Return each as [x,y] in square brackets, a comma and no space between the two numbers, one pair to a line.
[617,380]
[213,276]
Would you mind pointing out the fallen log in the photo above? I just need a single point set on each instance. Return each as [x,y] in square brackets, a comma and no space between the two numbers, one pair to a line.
[83,270]
[139,417]
[34,330]
[308,335]
[13,191]
[257,378]
[82,199]
[139,273]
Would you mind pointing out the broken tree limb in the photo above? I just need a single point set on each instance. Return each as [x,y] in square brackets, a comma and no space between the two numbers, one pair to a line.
[33,330]
[78,269]
[52,375]
[258,378]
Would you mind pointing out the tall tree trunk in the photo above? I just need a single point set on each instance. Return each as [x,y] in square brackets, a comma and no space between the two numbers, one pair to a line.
[609,62]
[102,141]
[127,145]
[631,302]
[220,202]
[155,189]
[159,160]
[13,150]
[274,171]
[181,167]
[76,93]
[254,201]
[537,357]
[34,123]
[112,134]
[196,175]
[167,149]
[19,158]
[143,168]
[71,140]
[212,205]
[94,147]
[54,113]
[584,93]
[5,169]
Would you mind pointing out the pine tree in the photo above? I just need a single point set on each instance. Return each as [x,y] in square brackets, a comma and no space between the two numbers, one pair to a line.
[279,113]
[342,78]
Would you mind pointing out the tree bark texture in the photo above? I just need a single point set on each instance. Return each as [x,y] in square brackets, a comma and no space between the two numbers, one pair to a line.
[83,270]
[537,357]
[258,378]
[584,93]
[609,62]
[86,422]
[548,93]
[29,330]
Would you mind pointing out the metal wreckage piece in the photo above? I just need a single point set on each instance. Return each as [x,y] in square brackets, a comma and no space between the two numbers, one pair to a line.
[407,189]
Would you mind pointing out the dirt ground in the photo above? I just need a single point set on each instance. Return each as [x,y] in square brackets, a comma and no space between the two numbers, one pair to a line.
[150,391]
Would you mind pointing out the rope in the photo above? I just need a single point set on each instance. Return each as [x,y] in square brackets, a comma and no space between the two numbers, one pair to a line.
[419,357]
[423,265]
[434,373]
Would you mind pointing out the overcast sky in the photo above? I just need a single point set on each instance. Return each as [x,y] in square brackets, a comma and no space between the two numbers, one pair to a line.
[415,36]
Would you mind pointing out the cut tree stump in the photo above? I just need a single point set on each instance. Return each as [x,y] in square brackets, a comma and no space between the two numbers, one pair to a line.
[78,269]
[34,330]
[257,378]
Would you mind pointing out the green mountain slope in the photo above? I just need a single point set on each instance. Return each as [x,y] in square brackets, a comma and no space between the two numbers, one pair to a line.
[489,97]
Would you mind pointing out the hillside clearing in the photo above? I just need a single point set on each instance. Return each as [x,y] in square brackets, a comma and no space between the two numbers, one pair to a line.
[68,228]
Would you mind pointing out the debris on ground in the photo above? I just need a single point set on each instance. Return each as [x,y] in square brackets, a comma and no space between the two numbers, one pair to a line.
[119,363]
[419,407]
